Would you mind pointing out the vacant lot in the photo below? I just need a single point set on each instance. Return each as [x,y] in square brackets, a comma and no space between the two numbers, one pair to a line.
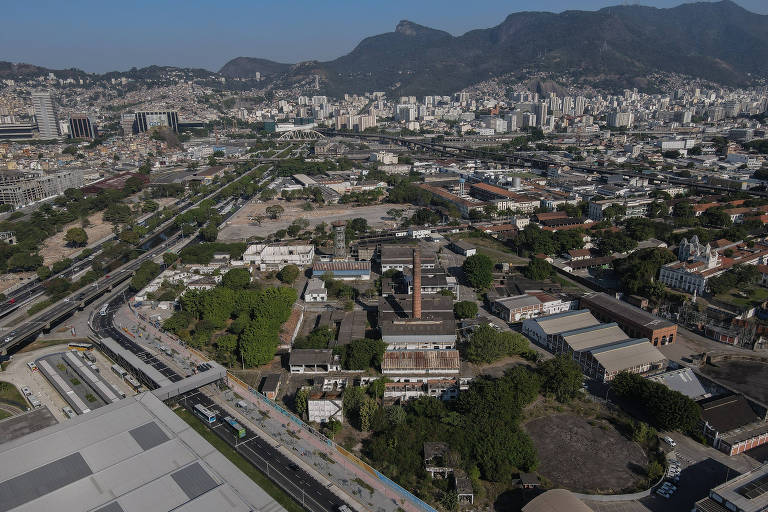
[242,225]
[586,455]
[748,377]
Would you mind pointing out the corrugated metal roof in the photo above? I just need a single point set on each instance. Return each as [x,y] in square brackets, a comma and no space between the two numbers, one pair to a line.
[434,360]
[627,354]
[566,321]
[594,336]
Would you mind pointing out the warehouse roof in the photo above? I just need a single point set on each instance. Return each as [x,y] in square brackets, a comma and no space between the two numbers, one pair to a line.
[627,354]
[727,413]
[626,311]
[130,455]
[403,254]
[683,381]
[594,336]
[342,266]
[311,356]
[567,321]
[410,360]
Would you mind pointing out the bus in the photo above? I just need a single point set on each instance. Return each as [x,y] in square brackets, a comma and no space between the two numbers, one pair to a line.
[80,346]
[235,426]
[205,414]
[119,371]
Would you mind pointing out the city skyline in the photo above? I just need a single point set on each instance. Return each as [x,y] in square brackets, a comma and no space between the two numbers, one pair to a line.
[189,37]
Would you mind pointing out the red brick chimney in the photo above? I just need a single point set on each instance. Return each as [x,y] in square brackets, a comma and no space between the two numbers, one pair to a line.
[416,283]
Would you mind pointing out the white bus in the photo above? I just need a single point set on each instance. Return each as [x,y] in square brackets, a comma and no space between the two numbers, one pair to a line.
[205,414]
[119,370]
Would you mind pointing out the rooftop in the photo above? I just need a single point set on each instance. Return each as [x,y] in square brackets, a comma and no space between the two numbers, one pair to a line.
[625,311]
[409,360]
[683,381]
[727,413]
[135,454]
[748,492]
[311,356]
[594,336]
[567,321]
[627,354]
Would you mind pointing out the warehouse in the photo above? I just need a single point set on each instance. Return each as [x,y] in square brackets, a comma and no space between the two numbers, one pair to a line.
[731,425]
[345,270]
[398,257]
[434,327]
[135,454]
[418,362]
[544,330]
[634,321]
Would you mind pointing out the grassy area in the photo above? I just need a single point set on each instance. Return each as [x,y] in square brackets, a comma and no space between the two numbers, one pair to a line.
[755,296]
[11,395]
[246,467]
[491,247]
[4,414]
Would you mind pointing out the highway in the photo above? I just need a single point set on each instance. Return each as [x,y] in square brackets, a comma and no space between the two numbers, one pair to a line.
[78,300]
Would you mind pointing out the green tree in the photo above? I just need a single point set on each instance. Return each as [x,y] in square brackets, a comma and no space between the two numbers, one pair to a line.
[43,272]
[236,278]
[226,345]
[333,428]
[562,377]
[300,400]
[363,354]
[465,309]
[538,269]
[487,345]
[478,270]
[76,236]
[210,232]
[169,258]
[288,274]
[274,211]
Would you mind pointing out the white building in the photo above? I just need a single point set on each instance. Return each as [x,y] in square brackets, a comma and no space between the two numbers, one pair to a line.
[275,257]
[315,291]
[324,407]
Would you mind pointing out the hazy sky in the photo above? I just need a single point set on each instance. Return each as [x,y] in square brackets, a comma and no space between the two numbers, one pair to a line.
[109,35]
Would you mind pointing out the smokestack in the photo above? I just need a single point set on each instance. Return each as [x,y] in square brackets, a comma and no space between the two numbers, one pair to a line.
[416,283]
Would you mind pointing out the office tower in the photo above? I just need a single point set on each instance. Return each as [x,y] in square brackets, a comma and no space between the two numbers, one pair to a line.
[45,115]
[128,124]
[81,127]
[147,120]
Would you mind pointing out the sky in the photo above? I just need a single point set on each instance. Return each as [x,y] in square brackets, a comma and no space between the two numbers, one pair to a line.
[115,36]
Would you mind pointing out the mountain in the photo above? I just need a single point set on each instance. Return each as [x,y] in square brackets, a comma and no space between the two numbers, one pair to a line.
[613,47]
[247,67]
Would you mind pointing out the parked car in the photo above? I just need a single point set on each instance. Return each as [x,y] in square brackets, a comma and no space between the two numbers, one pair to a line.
[26,391]
[663,493]
[669,441]
[32,366]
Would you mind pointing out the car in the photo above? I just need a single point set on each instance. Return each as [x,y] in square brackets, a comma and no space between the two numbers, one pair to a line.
[26,391]
[663,494]
[32,366]
[669,441]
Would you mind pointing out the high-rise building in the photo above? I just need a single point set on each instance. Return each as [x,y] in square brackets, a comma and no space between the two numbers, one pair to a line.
[579,105]
[81,127]
[148,120]
[540,109]
[45,114]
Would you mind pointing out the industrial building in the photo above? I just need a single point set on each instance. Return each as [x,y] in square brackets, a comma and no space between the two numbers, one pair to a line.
[544,330]
[634,321]
[131,455]
[345,270]
[744,493]
[275,257]
[731,425]
[313,360]
[398,257]
[420,362]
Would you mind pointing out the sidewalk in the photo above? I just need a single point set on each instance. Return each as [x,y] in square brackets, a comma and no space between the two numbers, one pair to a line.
[281,429]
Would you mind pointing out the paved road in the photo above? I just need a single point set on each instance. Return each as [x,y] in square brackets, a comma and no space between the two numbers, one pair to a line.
[278,467]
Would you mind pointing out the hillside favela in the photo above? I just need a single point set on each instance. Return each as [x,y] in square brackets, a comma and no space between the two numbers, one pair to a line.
[255,257]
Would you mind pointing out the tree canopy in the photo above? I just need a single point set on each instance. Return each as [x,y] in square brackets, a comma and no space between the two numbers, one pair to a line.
[478,270]
[487,345]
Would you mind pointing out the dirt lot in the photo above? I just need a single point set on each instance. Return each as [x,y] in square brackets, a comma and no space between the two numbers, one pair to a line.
[748,377]
[8,280]
[577,455]
[243,226]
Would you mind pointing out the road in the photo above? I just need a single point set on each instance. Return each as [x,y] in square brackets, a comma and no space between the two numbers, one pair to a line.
[312,495]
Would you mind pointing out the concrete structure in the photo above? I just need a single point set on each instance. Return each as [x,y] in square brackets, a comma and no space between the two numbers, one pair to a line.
[145,121]
[310,360]
[634,321]
[271,386]
[463,248]
[436,329]
[315,291]
[744,493]
[81,127]
[635,207]
[325,406]
[398,257]
[135,454]
[45,114]
[275,257]
[339,240]
[528,305]
[22,188]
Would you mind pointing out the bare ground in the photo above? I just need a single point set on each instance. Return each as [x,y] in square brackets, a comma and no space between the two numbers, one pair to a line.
[586,455]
